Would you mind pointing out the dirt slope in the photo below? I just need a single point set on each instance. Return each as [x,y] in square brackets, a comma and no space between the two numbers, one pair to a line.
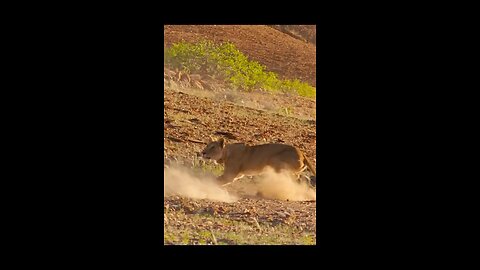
[288,56]
[306,33]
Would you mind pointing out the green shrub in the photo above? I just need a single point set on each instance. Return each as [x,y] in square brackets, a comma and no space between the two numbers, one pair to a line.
[226,60]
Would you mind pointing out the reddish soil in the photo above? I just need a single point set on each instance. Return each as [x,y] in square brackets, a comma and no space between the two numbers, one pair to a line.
[307,33]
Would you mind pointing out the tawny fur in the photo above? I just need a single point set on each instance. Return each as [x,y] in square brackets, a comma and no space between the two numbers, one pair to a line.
[240,159]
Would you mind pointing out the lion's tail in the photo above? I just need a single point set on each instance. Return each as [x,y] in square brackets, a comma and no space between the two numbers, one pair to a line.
[309,165]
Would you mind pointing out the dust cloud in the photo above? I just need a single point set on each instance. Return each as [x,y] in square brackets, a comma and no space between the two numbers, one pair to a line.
[182,182]
[270,185]
[280,186]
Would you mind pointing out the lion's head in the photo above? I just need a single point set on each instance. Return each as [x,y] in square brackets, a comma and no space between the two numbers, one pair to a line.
[214,149]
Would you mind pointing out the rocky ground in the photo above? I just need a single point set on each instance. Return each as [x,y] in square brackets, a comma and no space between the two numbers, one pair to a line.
[198,106]
[189,120]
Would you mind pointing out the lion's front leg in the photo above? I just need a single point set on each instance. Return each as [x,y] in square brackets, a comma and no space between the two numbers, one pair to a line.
[227,177]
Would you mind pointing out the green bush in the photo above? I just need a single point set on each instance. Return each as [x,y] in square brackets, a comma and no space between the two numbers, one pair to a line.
[226,60]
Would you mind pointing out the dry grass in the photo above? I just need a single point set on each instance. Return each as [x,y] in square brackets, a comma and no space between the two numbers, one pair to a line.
[186,225]
[283,104]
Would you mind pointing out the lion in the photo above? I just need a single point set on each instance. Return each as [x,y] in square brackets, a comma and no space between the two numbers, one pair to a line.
[240,159]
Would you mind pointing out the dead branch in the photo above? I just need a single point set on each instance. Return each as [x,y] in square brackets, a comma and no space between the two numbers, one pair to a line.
[214,238]
[195,141]
[256,223]
[184,140]
[229,135]
[174,139]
